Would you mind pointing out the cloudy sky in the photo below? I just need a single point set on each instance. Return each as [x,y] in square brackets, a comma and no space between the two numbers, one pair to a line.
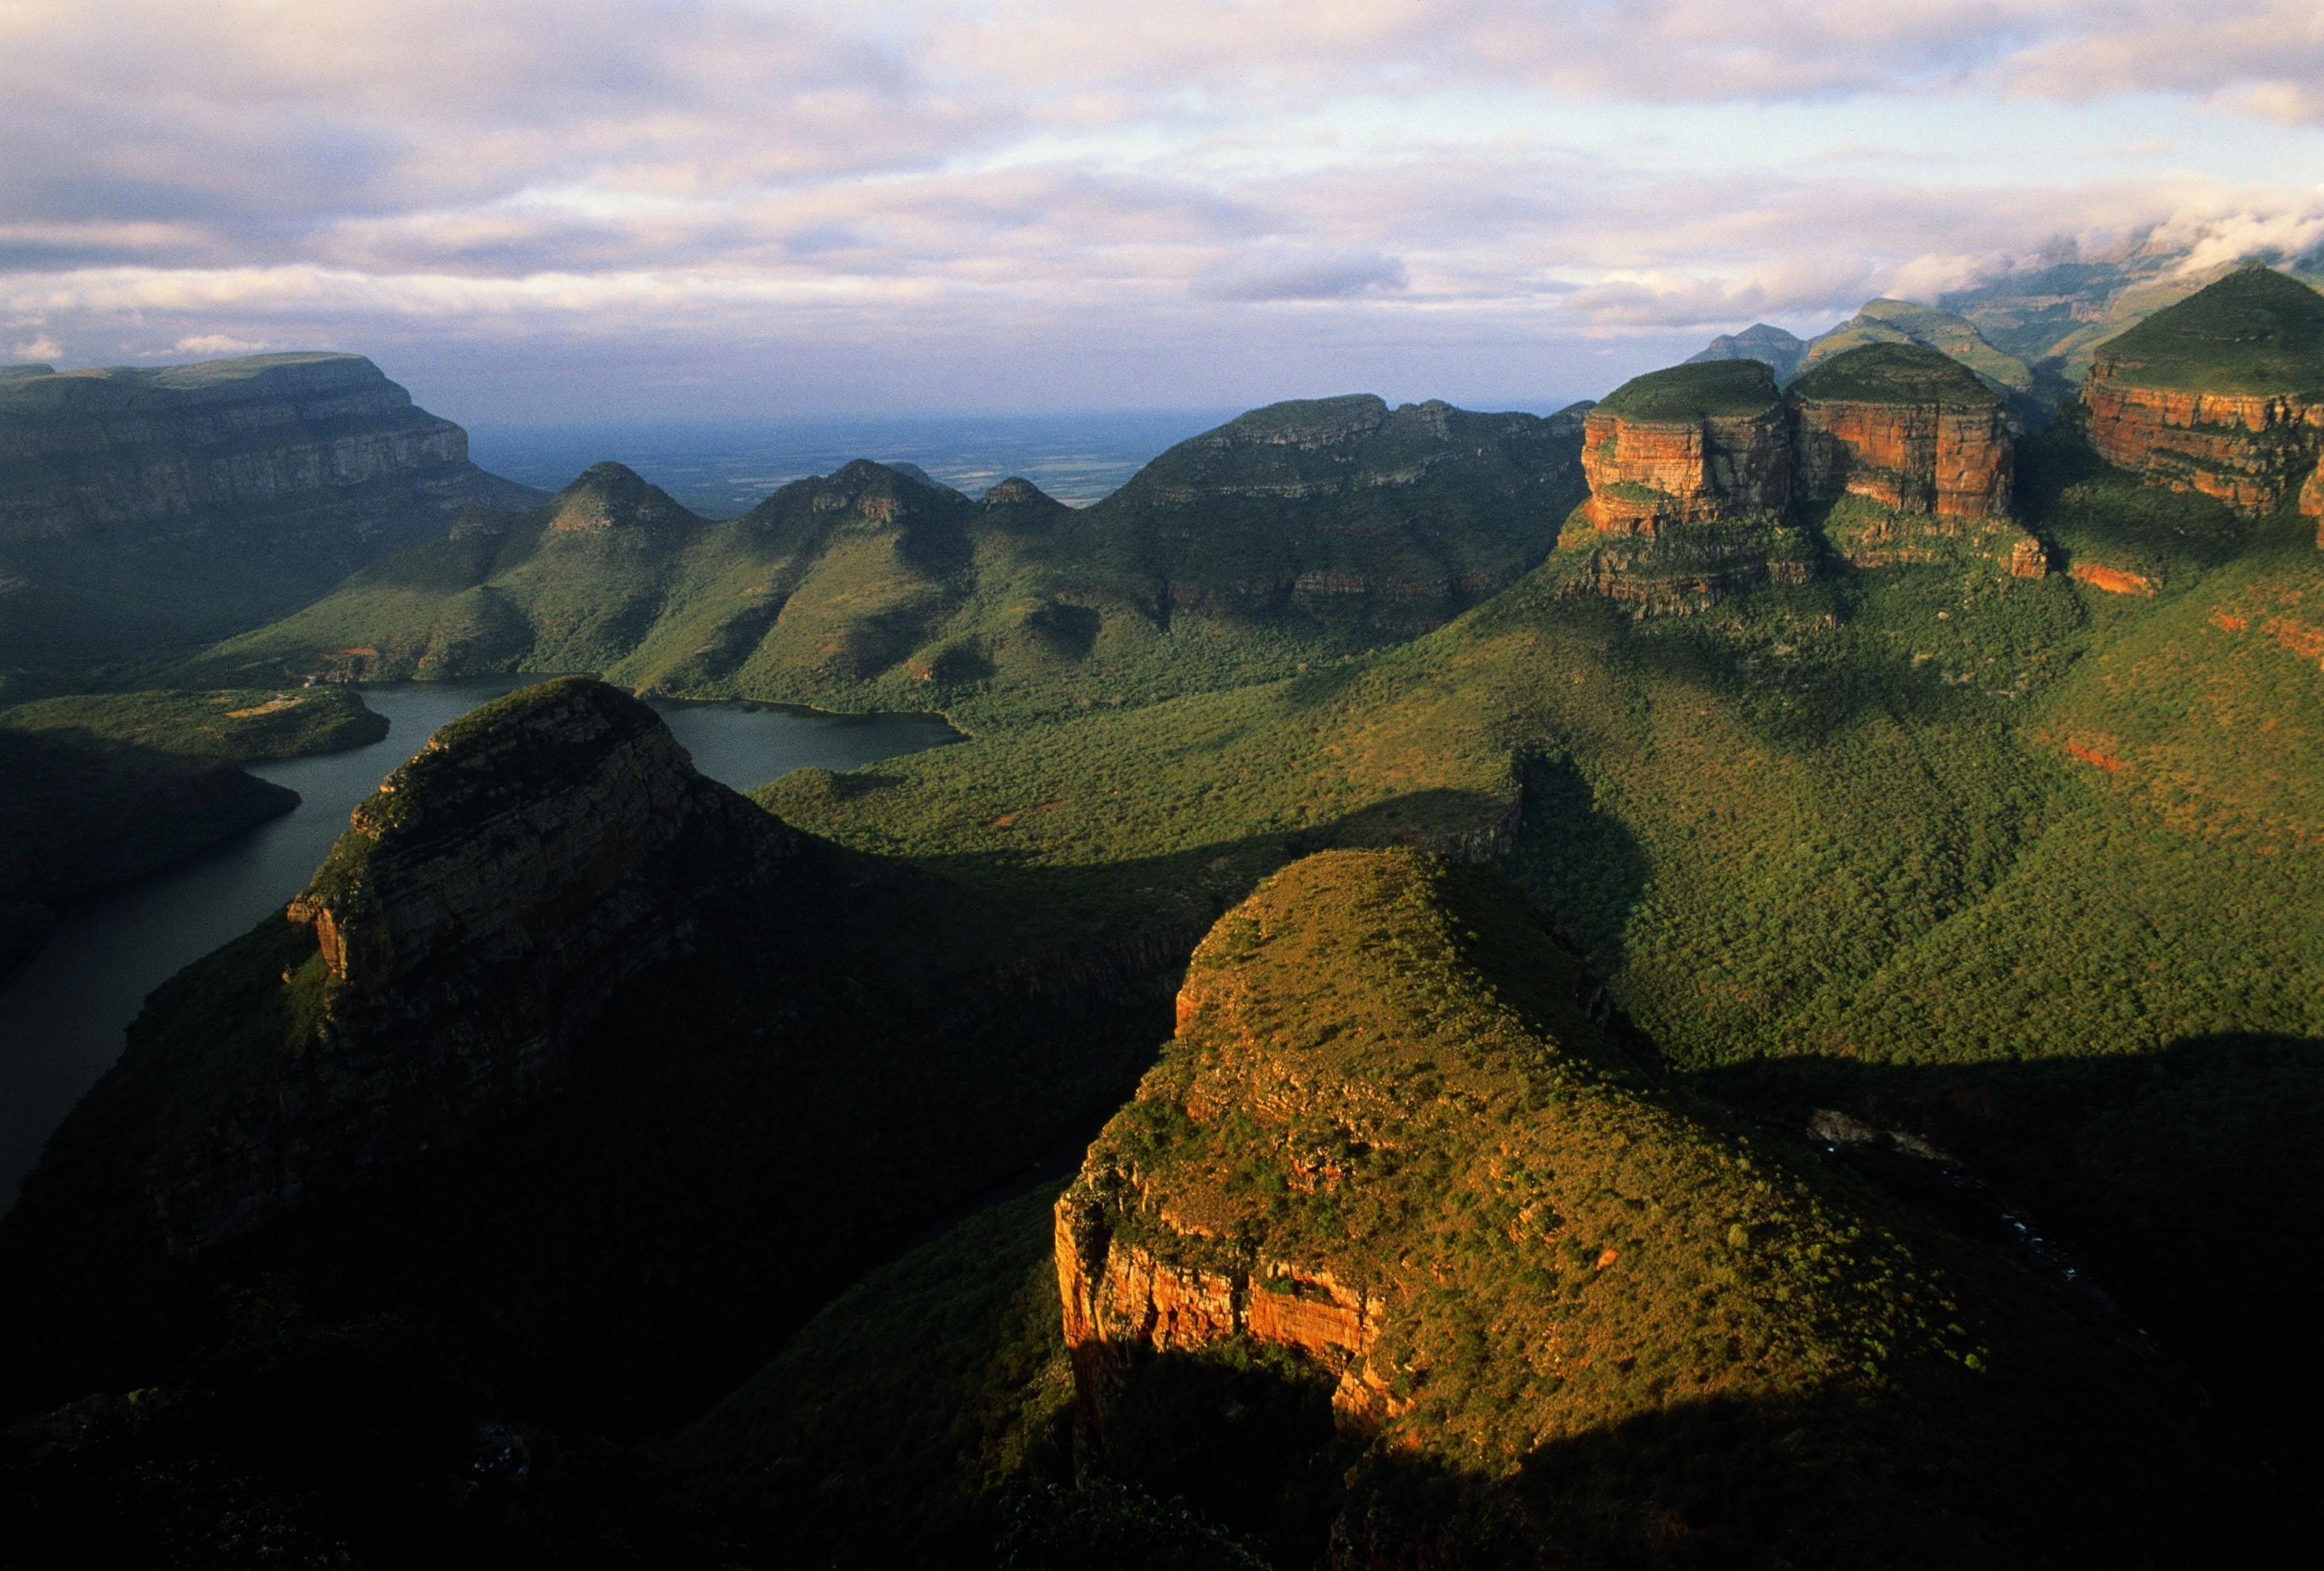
[586,208]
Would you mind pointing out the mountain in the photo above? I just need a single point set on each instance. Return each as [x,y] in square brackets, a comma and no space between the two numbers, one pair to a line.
[2221,394]
[1397,1258]
[2033,396]
[1300,533]
[147,507]
[1779,351]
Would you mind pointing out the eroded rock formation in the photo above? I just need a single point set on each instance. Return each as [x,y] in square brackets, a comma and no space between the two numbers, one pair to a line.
[1903,427]
[1701,443]
[472,923]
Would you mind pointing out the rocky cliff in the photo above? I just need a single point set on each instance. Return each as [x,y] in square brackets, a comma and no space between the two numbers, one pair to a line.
[1904,427]
[1698,443]
[252,483]
[2222,394]
[476,917]
[1422,1269]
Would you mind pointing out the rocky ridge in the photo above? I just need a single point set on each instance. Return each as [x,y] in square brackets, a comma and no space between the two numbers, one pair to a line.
[480,911]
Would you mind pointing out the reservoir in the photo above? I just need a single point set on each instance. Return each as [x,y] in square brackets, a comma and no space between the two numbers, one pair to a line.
[63,1013]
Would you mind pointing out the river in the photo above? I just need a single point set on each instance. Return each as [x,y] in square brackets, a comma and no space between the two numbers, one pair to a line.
[62,1014]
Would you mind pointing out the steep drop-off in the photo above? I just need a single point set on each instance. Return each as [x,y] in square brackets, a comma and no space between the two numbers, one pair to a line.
[1904,427]
[140,507]
[1389,1159]
[2221,394]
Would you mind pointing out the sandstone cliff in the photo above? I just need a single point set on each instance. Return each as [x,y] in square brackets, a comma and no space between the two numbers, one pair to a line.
[242,485]
[479,914]
[2222,394]
[1904,427]
[1698,443]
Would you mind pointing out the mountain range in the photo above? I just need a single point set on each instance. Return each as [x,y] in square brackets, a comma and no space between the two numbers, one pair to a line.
[1732,977]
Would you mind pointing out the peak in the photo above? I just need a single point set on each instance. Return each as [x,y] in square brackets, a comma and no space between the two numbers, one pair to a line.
[1766,333]
[1699,390]
[2255,330]
[1017,492]
[611,496]
[1884,373]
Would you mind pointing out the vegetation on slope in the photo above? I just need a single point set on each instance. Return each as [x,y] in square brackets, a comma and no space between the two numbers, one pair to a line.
[1295,535]
[1891,373]
[2254,331]
[243,723]
[1699,390]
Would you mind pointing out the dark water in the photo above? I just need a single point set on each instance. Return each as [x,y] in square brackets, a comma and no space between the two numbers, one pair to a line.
[62,1015]
[723,467]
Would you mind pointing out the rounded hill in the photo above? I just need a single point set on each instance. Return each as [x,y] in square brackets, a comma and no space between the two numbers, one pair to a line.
[2254,331]
[1701,389]
[1892,374]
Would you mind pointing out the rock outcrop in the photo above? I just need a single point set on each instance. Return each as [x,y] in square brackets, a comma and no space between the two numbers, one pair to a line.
[1388,1170]
[1904,427]
[144,506]
[1698,443]
[474,920]
[2222,394]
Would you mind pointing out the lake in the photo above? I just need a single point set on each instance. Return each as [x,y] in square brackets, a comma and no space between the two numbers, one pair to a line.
[63,1013]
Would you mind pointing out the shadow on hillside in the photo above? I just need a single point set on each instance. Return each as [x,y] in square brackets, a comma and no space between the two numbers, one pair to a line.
[2047,1466]
[2188,1184]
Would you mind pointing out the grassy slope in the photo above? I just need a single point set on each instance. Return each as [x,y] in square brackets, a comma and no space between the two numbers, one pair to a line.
[1295,535]
[2254,331]
[1891,373]
[1696,391]
[240,723]
[1896,321]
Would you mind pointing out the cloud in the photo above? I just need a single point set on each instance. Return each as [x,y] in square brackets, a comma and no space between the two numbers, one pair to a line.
[203,346]
[1296,275]
[40,347]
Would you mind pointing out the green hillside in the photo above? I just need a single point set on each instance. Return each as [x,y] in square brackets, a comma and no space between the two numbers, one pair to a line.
[1698,390]
[1887,373]
[1298,534]
[2254,331]
[1907,322]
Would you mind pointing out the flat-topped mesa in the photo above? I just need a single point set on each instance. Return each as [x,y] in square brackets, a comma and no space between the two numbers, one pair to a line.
[85,450]
[2222,394]
[1904,426]
[1698,443]
[472,923]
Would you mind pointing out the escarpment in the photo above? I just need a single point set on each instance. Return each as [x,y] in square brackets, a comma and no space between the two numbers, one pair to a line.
[2221,394]
[1698,443]
[1906,427]
[1389,1157]
[236,487]
[475,919]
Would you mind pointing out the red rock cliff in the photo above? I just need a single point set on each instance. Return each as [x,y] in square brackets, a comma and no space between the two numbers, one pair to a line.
[1647,475]
[2248,450]
[1952,461]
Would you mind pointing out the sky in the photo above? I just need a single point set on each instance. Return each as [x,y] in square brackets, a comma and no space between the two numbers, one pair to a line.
[542,210]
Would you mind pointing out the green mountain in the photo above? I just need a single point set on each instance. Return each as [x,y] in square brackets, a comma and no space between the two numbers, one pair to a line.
[144,510]
[1860,1108]
[98,791]
[1297,534]
[2255,330]
[1773,347]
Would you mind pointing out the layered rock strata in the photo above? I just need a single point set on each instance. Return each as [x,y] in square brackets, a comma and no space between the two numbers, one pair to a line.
[476,918]
[1906,427]
[1701,443]
[125,451]
[2221,394]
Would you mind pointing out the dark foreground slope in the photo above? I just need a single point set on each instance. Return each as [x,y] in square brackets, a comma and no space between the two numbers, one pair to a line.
[1298,534]
[147,508]
[575,1082]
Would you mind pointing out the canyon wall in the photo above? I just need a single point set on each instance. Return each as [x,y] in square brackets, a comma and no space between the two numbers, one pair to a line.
[475,919]
[2248,450]
[1947,460]
[1647,475]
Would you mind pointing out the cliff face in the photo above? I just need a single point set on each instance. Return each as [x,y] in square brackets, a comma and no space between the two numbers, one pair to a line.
[472,923]
[100,452]
[140,507]
[2248,450]
[1388,1170]
[1949,461]
[1648,475]
[2221,394]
